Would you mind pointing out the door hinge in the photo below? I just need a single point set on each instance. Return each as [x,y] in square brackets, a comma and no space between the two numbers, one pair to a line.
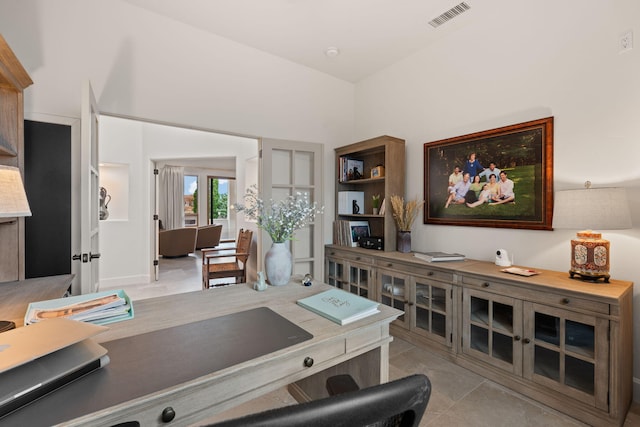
[155,262]
[156,217]
[155,171]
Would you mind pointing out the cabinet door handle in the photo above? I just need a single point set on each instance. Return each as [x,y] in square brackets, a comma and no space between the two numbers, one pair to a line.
[516,338]
[566,300]
[357,258]
[389,265]
[485,285]
[430,273]
[308,362]
[526,340]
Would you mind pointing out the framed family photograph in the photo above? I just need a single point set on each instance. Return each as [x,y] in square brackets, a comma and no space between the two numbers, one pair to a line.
[496,178]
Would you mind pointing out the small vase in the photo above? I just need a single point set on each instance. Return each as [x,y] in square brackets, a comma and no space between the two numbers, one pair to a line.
[375,211]
[403,241]
[278,264]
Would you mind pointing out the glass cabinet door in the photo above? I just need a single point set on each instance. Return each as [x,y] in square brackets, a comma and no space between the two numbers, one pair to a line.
[393,292]
[432,316]
[561,351]
[334,271]
[359,279]
[492,329]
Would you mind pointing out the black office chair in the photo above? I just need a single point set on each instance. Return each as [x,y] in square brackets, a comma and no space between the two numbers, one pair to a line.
[397,403]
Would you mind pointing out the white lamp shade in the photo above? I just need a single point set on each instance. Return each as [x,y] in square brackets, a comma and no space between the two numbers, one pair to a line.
[13,198]
[592,208]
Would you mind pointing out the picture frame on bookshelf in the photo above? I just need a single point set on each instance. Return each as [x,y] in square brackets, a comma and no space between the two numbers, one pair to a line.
[359,229]
[523,151]
[355,168]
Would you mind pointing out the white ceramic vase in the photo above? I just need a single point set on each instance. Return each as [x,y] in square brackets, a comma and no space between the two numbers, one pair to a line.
[278,264]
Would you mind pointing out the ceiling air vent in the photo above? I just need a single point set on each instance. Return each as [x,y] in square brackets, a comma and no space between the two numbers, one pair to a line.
[449,14]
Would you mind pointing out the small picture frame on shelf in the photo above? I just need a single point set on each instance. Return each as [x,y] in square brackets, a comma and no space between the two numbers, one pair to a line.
[358,229]
[355,168]
[377,172]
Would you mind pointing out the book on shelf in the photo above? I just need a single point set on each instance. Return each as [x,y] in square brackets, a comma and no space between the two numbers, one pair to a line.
[438,256]
[382,207]
[355,169]
[99,308]
[351,169]
[340,306]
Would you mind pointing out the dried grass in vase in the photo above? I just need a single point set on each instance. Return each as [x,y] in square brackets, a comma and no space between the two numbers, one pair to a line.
[405,214]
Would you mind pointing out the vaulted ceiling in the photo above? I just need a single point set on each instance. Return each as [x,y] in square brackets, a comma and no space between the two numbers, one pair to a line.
[368,34]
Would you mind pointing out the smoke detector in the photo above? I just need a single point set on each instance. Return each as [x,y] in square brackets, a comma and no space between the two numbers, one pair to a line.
[332,52]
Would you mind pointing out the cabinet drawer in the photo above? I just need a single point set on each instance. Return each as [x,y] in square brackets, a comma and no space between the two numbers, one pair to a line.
[416,270]
[548,298]
[193,402]
[350,256]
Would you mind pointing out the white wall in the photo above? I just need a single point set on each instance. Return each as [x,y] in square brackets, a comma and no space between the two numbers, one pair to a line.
[146,66]
[541,58]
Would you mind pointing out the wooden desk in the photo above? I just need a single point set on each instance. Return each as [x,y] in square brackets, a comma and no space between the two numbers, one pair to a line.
[16,296]
[360,348]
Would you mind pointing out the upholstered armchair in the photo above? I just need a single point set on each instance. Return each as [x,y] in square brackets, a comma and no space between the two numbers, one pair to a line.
[177,242]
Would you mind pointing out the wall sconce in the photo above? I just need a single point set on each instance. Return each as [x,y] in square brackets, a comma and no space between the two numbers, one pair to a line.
[587,209]
[13,198]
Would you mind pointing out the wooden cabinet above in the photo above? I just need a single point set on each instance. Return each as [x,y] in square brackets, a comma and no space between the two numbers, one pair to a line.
[13,80]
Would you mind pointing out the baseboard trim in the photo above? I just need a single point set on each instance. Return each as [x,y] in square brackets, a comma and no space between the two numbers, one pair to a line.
[124,281]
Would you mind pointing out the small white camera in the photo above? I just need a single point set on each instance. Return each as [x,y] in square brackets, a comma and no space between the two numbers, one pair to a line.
[502,258]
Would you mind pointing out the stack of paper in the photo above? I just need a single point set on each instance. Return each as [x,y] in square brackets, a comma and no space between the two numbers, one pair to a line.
[438,256]
[98,308]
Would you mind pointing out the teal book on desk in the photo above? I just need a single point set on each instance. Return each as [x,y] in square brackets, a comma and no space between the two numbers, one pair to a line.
[340,306]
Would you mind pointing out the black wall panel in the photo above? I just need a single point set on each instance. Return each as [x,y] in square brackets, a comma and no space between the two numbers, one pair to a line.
[47,165]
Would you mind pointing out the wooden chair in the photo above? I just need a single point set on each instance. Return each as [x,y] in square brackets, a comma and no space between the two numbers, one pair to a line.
[215,266]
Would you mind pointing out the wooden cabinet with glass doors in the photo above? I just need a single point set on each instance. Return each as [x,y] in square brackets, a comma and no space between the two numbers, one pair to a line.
[349,271]
[564,342]
[424,293]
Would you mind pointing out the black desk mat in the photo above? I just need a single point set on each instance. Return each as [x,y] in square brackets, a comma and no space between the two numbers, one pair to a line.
[150,362]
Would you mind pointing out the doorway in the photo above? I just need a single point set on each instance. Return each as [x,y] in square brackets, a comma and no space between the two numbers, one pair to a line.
[128,246]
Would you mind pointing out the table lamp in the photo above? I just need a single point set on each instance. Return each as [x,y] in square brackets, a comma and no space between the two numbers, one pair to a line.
[13,198]
[587,209]
[13,203]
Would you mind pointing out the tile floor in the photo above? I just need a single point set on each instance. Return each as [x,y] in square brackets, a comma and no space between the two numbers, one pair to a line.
[459,397]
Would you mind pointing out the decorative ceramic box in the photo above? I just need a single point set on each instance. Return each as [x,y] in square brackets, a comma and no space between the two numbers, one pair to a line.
[590,255]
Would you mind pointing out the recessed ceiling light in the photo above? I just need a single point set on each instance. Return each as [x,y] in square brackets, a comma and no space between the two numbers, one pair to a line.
[332,52]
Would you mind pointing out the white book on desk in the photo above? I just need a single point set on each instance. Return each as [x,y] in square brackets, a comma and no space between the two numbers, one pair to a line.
[438,256]
[340,306]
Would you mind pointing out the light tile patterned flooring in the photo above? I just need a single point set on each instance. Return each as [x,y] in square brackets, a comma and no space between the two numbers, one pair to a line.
[459,397]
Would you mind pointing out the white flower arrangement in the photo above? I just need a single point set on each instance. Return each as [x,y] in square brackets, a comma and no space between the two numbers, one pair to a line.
[282,218]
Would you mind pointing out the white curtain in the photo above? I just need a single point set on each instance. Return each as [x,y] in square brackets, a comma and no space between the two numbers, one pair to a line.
[172,197]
